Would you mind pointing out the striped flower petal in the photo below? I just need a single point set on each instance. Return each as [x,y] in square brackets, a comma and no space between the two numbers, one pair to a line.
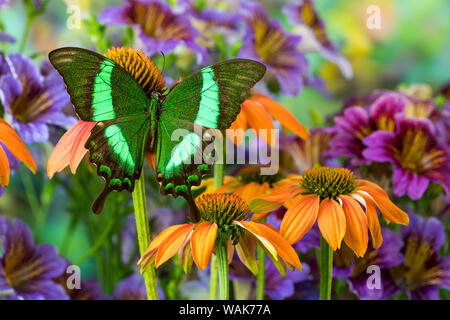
[246,251]
[4,168]
[259,120]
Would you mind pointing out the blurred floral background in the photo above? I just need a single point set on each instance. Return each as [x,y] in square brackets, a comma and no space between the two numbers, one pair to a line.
[363,92]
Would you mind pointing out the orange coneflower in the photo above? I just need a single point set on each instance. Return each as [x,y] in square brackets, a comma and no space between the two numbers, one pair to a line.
[334,198]
[11,140]
[249,184]
[222,219]
[257,113]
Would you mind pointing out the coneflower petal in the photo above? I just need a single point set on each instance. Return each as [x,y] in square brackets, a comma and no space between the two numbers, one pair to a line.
[265,205]
[246,251]
[15,145]
[236,132]
[389,210]
[300,218]
[4,168]
[281,114]
[356,234]
[282,247]
[331,221]
[372,221]
[259,120]
[172,243]
[202,243]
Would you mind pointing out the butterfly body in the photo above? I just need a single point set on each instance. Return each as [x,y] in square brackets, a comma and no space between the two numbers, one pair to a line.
[134,117]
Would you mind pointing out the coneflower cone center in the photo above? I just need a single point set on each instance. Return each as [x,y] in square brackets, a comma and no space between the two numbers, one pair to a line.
[223,209]
[253,174]
[140,67]
[328,182]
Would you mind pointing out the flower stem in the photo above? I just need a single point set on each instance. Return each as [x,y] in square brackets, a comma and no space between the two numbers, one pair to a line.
[219,170]
[222,261]
[213,278]
[143,233]
[261,276]
[326,269]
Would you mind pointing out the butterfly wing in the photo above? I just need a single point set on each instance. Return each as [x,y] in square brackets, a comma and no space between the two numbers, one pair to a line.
[209,98]
[212,96]
[117,147]
[104,92]
[99,88]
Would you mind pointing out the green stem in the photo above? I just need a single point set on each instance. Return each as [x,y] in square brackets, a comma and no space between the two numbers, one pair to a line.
[213,278]
[143,233]
[30,17]
[326,269]
[261,276]
[219,171]
[222,261]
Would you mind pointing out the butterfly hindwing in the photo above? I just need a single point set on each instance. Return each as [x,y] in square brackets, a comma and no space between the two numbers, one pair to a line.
[99,88]
[210,98]
[117,147]
[181,162]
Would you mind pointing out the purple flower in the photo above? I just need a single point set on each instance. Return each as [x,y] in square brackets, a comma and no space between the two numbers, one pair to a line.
[160,29]
[357,123]
[222,14]
[33,101]
[266,41]
[423,271]
[417,156]
[27,270]
[358,273]
[4,37]
[89,289]
[133,288]
[305,15]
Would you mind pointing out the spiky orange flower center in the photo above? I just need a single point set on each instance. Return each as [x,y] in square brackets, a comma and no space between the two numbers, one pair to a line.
[253,174]
[222,208]
[139,66]
[328,182]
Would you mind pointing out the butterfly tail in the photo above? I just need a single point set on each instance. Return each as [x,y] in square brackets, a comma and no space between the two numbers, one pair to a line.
[99,203]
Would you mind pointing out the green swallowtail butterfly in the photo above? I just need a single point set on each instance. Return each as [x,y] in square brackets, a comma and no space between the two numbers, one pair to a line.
[131,120]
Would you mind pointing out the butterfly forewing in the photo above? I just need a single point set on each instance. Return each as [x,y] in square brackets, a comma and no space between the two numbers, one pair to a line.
[99,88]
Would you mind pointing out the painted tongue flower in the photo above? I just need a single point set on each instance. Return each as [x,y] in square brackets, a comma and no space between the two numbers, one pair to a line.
[33,101]
[222,219]
[357,123]
[160,28]
[266,41]
[423,271]
[12,148]
[416,155]
[256,113]
[70,150]
[334,198]
[305,16]
[27,270]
